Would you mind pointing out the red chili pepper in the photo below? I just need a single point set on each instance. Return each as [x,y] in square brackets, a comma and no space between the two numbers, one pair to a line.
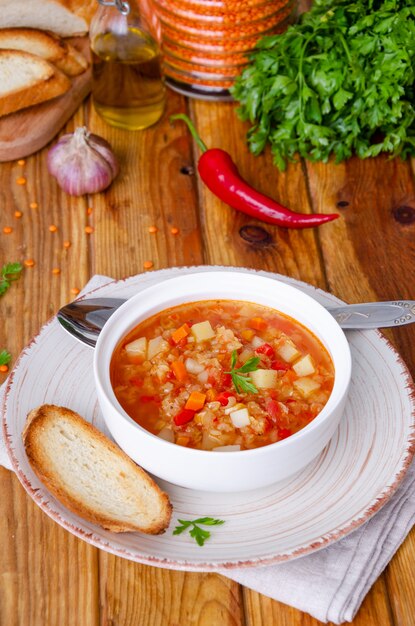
[223,397]
[221,176]
[266,349]
[183,417]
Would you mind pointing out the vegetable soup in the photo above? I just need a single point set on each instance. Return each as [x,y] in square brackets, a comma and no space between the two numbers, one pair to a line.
[222,375]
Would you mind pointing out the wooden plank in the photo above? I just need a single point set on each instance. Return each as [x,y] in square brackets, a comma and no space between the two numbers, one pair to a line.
[399,576]
[47,576]
[262,611]
[291,252]
[366,259]
[137,594]
[154,188]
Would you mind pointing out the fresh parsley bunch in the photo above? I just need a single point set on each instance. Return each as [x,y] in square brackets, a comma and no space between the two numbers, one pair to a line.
[340,82]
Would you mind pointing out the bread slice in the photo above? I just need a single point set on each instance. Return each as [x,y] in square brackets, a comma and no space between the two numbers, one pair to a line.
[90,475]
[57,16]
[83,8]
[46,45]
[26,80]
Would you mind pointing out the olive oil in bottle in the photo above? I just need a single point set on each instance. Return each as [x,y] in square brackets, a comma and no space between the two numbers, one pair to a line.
[127,87]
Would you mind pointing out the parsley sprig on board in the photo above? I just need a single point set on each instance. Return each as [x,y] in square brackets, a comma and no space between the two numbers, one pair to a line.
[9,273]
[193,526]
[243,383]
[5,357]
[340,82]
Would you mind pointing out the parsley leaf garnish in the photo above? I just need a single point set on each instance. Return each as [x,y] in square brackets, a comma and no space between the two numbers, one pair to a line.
[193,526]
[243,383]
[9,273]
[338,82]
[5,357]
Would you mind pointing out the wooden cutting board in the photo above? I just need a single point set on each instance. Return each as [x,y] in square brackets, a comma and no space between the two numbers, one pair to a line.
[29,130]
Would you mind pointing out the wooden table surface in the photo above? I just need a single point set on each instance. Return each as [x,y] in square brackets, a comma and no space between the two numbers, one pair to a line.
[49,577]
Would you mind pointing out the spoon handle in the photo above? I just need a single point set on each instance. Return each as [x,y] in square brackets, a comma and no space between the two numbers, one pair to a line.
[374,314]
[84,319]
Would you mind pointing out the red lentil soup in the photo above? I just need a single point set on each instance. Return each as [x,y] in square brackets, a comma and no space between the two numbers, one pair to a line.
[222,375]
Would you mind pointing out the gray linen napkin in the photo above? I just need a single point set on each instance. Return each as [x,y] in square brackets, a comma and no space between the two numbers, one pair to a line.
[329,584]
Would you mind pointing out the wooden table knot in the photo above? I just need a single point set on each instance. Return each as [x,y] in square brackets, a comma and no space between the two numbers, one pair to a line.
[404,214]
[255,235]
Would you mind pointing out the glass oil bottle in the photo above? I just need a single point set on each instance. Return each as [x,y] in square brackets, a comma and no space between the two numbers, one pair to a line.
[127,86]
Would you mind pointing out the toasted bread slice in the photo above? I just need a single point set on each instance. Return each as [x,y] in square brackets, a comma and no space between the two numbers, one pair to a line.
[90,475]
[83,8]
[45,45]
[27,80]
[63,17]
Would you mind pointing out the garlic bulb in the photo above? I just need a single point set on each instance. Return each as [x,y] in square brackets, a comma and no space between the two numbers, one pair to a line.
[82,163]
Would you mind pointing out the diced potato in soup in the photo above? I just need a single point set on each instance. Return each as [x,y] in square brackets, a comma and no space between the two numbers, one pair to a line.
[288,351]
[221,375]
[155,346]
[306,386]
[264,379]
[202,331]
[137,348]
[304,366]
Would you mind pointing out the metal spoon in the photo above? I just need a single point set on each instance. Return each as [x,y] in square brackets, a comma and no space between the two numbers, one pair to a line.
[84,319]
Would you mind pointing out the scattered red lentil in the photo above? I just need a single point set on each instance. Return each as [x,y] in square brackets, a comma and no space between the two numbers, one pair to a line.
[152,229]
[89,210]
[53,228]
[67,244]
[7,230]
[21,162]
[29,263]
[33,205]
[89,230]
[18,214]
[56,270]
[75,291]
[4,369]
[174,230]
[21,180]
[148,265]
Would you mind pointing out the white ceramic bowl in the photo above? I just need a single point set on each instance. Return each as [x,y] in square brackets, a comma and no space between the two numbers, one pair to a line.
[210,470]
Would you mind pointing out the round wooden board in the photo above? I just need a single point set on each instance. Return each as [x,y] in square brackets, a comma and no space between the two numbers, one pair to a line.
[27,131]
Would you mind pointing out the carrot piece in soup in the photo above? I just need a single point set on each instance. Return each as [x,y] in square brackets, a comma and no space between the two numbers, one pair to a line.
[180,333]
[211,395]
[179,370]
[257,323]
[195,401]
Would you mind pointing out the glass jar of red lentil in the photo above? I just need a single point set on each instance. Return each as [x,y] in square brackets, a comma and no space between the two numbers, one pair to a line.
[206,43]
